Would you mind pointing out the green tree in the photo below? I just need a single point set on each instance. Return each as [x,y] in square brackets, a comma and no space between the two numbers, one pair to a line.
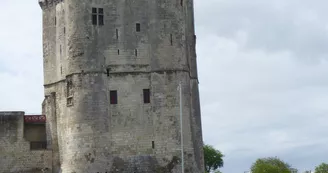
[213,159]
[322,168]
[270,165]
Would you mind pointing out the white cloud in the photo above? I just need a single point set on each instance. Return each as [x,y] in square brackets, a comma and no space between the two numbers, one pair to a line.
[21,56]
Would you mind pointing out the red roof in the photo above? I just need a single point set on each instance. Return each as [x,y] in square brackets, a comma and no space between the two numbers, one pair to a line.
[34,118]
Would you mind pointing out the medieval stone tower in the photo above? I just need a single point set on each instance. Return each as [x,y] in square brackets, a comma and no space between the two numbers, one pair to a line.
[111,74]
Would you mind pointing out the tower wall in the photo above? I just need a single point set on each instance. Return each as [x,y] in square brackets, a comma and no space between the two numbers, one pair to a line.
[49,46]
[84,62]
[196,125]
[77,79]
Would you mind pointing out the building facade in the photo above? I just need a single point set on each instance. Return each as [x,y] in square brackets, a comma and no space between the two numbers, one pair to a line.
[111,74]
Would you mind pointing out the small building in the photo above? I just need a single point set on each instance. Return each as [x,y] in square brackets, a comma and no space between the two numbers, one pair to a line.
[23,143]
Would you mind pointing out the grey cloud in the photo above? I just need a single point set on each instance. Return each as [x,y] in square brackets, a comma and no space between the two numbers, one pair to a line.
[263,80]
[295,26]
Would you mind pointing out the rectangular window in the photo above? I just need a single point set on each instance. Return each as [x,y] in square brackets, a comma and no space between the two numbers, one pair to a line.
[117,34]
[118,51]
[94,10]
[69,92]
[153,144]
[146,95]
[69,88]
[113,97]
[171,39]
[136,52]
[101,11]
[94,19]
[69,101]
[138,27]
[101,19]
[97,16]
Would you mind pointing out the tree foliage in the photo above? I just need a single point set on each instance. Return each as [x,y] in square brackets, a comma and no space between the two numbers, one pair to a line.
[270,165]
[213,158]
[322,168]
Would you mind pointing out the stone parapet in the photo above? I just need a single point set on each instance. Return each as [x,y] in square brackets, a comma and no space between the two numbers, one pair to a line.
[11,116]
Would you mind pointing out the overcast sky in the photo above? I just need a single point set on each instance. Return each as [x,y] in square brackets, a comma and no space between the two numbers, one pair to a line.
[263,71]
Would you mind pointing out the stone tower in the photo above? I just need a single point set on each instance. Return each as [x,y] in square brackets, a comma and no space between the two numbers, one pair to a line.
[111,74]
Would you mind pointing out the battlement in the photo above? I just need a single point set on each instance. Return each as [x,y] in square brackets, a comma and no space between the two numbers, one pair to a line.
[48,3]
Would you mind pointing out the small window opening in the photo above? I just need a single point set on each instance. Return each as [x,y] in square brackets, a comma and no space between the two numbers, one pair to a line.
[118,51]
[171,39]
[101,11]
[94,19]
[181,2]
[146,95]
[69,88]
[69,101]
[107,71]
[153,144]
[117,34]
[138,27]
[94,10]
[113,97]
[69,92]
[136,52]
[101,19]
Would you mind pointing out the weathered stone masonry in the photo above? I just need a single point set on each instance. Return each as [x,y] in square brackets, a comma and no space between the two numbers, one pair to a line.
[20,149]
[101,58]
